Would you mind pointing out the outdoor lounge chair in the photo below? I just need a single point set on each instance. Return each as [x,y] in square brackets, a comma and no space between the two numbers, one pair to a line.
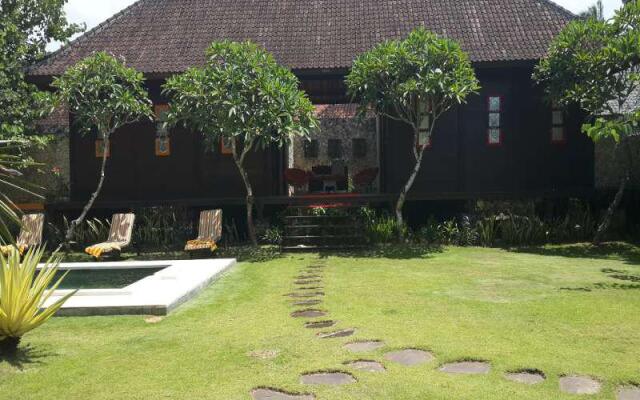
[209,232]
[30,234]
[119,236]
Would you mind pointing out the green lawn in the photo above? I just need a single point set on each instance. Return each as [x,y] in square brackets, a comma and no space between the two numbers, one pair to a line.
[562,310]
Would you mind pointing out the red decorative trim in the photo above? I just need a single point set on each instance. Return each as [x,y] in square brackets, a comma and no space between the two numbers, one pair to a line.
[501,109]
[224,148]
[488,137]
[426,146]
[564,135]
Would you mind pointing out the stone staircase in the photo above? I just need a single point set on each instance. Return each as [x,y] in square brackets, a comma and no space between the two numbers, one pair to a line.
[309,230]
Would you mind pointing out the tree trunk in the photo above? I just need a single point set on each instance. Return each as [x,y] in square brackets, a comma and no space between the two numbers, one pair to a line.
[606,220]
[247,183]
[75,223]
[403,194]
[9,347]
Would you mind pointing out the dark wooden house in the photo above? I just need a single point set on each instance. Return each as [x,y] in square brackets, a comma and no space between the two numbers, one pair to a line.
[506,142]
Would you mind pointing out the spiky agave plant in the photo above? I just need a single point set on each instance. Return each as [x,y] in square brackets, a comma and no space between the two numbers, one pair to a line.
[24,290]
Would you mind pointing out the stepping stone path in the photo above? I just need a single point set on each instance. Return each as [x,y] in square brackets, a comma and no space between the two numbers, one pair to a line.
[338,334]
[409,357]
[308,314]
[628,393]
[526,377]
[579,385]
[307,303]
[307,277]
[305,294]
[308,282]
[327,378]
[366,366]
[270,394]
[319,324]
[364,347]
[467,368]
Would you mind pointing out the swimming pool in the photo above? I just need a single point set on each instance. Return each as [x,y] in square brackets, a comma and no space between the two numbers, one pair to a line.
[135,288]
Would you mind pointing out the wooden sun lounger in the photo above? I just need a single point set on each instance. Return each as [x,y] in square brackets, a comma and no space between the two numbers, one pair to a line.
[119,236]
[209,232]
[30,234]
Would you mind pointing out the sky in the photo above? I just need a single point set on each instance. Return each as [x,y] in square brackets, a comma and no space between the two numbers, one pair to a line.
[93,12]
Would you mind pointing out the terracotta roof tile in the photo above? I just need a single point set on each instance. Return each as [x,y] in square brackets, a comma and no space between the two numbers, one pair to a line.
[165,36]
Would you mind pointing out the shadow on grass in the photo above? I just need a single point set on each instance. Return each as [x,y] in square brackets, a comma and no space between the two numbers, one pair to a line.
[26,356]
[391,251]
[626,252]
[632,282]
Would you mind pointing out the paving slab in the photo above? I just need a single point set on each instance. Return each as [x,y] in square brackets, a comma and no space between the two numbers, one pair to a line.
[628,393]
[364,346]
[409,357]
[327,378]
[526,377]
[319,324]
[366,366]
[308,314]
[272,394]
[467,368]
[579,385]
[338,334]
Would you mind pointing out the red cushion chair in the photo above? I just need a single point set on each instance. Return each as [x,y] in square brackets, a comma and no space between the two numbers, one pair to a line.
[365,178]
[296,177]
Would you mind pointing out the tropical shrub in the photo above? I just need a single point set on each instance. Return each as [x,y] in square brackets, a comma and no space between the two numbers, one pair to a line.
[272,235]
[23,292]
[163,227]
[381,227]
[487,229]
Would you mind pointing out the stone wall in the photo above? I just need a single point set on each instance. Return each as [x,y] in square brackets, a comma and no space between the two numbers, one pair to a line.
[340,122]
[609,165]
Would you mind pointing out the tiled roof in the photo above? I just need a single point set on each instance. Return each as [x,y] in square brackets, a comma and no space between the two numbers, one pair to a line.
[164,36]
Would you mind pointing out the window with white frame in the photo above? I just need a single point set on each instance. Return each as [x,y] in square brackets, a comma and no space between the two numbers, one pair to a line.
[494,130]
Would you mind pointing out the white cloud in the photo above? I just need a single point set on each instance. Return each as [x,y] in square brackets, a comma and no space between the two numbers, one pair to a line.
[93,12]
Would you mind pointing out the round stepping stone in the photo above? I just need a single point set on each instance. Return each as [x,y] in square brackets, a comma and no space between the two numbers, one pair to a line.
[153,320]
[310,288]
[307,303]
[308,314]
[308,276]
[271,394]
[317,266]
[579,385]
[364,346]
[327,378]
[409,357]
[319,324]
[308,282]
[467,368]
[337,334]
[526,377]
[367,366]
[305,294]
[628,393]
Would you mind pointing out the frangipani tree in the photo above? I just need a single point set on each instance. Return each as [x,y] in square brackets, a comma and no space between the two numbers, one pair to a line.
[594,64]
[103,95]
[244,97]
[414,81]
